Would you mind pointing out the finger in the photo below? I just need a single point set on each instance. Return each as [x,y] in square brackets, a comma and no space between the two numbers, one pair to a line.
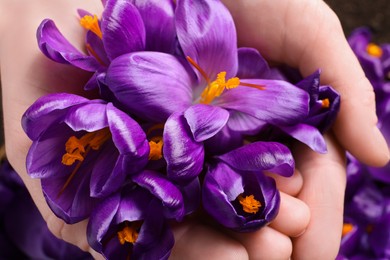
[198,241]
[293,217]
[291,185]
[341,69]
[266,243]
[311,41]
[323,191]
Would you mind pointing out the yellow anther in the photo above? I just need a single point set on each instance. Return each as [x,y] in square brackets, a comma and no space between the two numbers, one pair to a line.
[325,103]
[155,144]
[76,148]
[91,23]
[127,235]
[374,50]
[347,227]
[249,204]
[217,87]
[69,159]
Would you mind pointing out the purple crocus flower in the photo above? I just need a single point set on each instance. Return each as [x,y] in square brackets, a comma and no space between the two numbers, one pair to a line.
[133,223]
[324,102]
[375,60]
[82,150]
[161,87]
[125,26]
[237,193]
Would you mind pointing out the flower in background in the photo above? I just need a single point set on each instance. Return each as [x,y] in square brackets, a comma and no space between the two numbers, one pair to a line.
[23,232]
[237,193]
[375,60]
[82,150]
[125,26]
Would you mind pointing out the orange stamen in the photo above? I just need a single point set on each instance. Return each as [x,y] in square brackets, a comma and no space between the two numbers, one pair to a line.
[94,54]
[128,234]
[252,85]
[155,144]
[91,23]
[77,149]
[374,50]
[249,204]
[217,87]
[201,71]
[347,228]
[325,103]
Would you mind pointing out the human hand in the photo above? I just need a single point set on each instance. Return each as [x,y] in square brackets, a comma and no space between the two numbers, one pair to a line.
[28,75]
[307,35]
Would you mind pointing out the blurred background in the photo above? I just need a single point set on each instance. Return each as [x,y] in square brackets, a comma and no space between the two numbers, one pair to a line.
[352,13]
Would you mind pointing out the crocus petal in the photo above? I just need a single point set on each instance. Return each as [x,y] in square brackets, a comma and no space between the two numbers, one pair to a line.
[100,220]
[51,109]
[259,156]
[127,135]
[358,41]
[382,173]
[134,199]
[73,204]
[97,48]
[244,123]
[311,85]
[308,135]
[280,103]
[164,190]
[184,156]
[251,65]
[112,168]
[89,117]
[207,34]
[54,45]
[323,118]
[44,158]
[224,141]
[122,28]
[205,121]
[107,174]
[151,85]
[155,240]
[158,17]
[191,196]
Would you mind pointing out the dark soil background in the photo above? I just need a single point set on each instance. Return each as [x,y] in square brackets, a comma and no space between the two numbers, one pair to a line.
[372,13]
[352,14]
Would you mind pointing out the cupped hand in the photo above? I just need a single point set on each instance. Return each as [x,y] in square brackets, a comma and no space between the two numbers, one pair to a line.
[307,35]
[27,75]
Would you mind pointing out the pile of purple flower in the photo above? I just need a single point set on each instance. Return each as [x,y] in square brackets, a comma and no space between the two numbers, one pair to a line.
[184,119]
[366,231]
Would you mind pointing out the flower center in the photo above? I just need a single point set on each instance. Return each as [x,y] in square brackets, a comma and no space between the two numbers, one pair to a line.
[347,228]
[155,144]
[249,204]
[325,103]
[374,50]
[77,149]
[215,88]
[91,23]
[128,234]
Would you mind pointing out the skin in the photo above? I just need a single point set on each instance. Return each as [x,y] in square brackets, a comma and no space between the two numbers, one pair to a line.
[310,218]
